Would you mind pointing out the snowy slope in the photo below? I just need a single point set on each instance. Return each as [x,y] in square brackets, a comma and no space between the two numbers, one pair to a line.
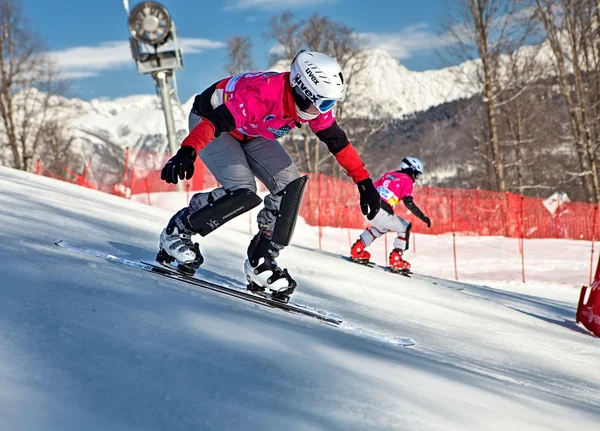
[88,345]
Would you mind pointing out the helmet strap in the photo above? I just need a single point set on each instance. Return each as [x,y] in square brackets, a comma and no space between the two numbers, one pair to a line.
[301,101]
[305,115]
[410,172]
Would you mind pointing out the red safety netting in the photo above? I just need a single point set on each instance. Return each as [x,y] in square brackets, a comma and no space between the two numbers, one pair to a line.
[334,202]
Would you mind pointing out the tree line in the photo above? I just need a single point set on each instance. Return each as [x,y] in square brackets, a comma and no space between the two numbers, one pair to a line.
[535,64]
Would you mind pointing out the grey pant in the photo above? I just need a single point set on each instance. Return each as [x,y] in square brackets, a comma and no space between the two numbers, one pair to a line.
[235,166]
[384,223]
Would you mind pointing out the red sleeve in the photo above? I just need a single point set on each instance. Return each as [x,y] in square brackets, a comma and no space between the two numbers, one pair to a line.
[200,136]
[349,159]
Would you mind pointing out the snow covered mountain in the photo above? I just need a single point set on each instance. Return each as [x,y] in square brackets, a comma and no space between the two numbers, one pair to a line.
[383,88]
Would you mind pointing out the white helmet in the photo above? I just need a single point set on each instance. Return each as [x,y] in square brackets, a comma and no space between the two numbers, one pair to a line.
[317,80]
[412,165]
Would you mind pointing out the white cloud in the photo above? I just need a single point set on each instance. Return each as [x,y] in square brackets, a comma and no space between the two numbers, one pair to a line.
[270,4]
[196,46]
[277,49]
[76,74]
[408,41]
[87,61]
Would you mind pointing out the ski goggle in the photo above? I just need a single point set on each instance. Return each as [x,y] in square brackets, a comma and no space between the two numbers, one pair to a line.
[325,105]
[303,102]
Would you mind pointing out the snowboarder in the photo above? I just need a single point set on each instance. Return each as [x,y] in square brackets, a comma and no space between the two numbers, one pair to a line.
[234,126]
[393,187]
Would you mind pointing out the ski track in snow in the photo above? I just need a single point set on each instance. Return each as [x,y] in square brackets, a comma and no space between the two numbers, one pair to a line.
[86,344]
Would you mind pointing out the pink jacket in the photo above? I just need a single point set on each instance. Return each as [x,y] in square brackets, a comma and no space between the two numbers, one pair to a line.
[257,102]
[393,186]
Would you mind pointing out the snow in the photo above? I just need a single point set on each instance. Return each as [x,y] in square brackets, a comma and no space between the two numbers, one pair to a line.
[433,254]
[85,344]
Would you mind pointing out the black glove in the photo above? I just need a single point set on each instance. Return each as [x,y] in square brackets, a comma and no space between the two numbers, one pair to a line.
[180,166]
[370,202]
[427,221]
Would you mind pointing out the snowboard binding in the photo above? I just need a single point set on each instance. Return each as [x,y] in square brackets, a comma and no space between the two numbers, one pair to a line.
[405,272]
[364,262]
[166,259]
[280,296]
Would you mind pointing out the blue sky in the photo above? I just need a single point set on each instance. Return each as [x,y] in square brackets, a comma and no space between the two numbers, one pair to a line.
[89,39]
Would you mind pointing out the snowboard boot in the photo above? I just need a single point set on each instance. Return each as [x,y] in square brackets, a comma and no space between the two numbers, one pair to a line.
[262,271]
[397,264]
[358,252]
[176,245]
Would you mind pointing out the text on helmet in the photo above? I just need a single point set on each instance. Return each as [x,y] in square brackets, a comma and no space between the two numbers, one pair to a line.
[303,87]
[312,76]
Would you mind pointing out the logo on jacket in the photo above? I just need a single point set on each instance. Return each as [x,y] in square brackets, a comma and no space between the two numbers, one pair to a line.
[279,133]
[269,118]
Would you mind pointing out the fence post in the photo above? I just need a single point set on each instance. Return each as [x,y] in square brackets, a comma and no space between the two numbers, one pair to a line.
[414,241]
[522,236]
[454,240]
[126,168]
[82,178]
[348,225]
[478,206]
[427,195]
[385,250]
[506,221]
[320,211]
[413,235]
[148,191]
[593,240]
[131,178]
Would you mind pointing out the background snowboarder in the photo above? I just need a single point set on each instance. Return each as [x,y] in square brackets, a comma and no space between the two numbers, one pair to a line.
[393,187]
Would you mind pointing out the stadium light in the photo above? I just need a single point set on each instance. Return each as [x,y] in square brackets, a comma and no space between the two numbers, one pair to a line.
[156,51]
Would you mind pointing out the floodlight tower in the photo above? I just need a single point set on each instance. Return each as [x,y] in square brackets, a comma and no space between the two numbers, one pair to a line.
[156,51]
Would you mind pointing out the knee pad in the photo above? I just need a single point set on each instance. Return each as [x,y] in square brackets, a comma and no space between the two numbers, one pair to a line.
[219,211]
[288,210]
[407,235]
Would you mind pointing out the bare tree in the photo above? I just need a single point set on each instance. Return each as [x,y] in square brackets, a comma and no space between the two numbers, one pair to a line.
[284,30]
[520,113]
[57,153]
[28,86]
[489,30]
[319,33]
[239,55]
[572,30]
